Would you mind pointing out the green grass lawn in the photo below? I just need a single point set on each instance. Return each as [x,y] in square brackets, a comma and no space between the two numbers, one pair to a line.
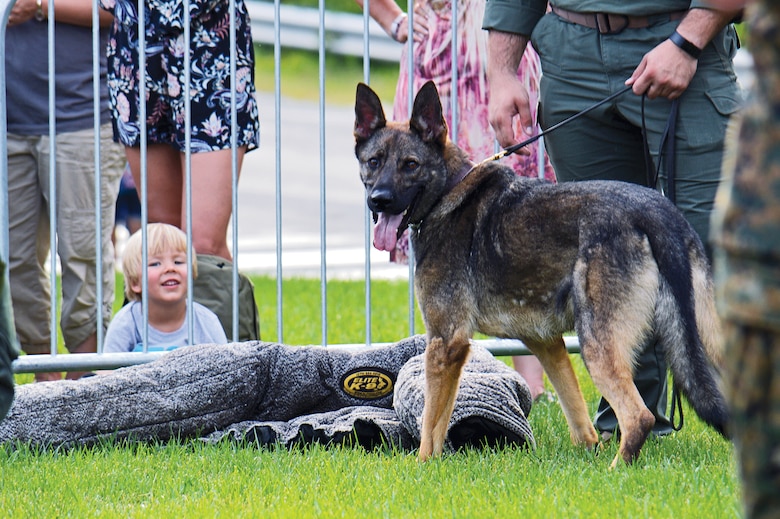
[689,474]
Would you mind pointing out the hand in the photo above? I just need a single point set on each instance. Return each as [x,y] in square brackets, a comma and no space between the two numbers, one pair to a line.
[420,29]
[21,12]
[665,71]
[509,99]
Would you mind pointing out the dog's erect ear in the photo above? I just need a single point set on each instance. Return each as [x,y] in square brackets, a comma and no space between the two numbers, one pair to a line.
[427,119]
[369,115]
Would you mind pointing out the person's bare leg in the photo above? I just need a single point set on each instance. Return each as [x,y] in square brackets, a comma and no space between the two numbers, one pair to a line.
[531,370]
[165,182]
[211,201]
[88,346]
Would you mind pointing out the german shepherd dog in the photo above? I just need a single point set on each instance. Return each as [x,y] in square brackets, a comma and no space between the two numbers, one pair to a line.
[522,258]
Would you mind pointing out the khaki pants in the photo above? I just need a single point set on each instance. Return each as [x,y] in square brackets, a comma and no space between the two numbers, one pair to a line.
[28,189]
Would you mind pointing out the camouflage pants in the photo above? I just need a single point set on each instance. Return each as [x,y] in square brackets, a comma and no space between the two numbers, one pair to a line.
[753,390]
[748,295]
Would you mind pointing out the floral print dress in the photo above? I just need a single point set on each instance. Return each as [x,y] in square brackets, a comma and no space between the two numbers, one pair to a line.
[210,78]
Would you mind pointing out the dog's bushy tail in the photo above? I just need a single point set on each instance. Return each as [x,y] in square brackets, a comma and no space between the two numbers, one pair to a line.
[689,328]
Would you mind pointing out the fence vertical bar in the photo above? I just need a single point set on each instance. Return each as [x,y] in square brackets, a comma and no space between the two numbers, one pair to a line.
[98,175]
[234,166]
[410,69]
[323,226]
[278,148]
[144,173]
[4,231]
[188,166]
[52,184]
[455,117]
[366,211]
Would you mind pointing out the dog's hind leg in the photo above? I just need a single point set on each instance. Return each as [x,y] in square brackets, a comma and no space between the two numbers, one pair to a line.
[615,382]
[443,367]
[615,291]
[609,347]
[557,364]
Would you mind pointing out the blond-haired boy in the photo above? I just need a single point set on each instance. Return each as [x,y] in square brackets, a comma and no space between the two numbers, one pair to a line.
[166,296]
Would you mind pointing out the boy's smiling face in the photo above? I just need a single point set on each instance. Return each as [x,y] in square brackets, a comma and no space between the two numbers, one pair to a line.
[167,273]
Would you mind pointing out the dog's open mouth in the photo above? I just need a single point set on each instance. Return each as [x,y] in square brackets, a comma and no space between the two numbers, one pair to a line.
[388,229]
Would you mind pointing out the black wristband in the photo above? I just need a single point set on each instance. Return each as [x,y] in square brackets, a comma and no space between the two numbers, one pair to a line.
[689,48]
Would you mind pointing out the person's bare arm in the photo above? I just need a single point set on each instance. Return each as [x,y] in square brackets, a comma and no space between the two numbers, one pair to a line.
[667,70]
[508,97]
[74,12]
[385,12]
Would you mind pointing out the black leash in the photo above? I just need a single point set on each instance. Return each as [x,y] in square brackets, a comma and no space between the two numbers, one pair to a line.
[676,404]
[515,147]
[666,151]
[666,155]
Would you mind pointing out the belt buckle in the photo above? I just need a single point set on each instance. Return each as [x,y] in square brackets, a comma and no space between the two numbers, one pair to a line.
[607,23]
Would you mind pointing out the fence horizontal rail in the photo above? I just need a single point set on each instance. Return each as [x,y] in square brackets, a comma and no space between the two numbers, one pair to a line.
[106,361]
[299,29]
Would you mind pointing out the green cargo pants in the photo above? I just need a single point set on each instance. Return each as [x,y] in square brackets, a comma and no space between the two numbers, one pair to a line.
[581,67]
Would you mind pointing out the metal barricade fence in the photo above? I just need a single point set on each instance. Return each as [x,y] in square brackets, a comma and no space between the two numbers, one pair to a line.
[277,252]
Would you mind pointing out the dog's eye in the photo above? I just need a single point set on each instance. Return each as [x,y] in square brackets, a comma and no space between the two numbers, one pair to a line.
[411,165]
[373,163]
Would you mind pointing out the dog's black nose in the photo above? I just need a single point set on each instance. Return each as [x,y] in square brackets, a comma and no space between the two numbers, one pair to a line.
[380,199]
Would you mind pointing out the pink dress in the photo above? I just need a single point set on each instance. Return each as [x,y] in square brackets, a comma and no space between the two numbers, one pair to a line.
[433,61]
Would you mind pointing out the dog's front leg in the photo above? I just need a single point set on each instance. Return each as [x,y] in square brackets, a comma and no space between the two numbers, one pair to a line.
[443,367]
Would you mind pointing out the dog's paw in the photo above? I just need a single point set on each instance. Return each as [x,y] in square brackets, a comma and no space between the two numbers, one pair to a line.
[425,453]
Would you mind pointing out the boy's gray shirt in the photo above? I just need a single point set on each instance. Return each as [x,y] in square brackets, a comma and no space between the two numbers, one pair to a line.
[126,330]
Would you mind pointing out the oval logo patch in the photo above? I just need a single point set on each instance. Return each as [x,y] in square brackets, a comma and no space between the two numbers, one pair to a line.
[367,383]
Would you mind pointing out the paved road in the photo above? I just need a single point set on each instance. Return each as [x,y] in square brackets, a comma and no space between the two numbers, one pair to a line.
[300,154]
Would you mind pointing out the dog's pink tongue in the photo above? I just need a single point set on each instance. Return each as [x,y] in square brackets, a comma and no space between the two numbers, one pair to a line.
[386,231]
